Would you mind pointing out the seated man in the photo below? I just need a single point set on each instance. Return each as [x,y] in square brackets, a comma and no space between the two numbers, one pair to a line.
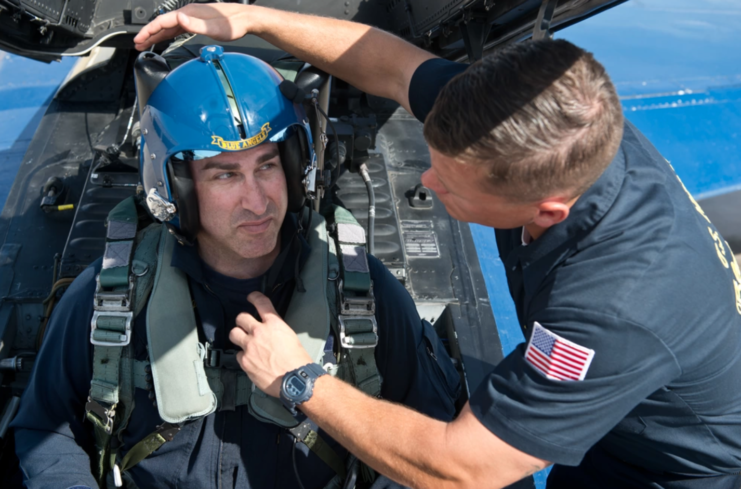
[160,401]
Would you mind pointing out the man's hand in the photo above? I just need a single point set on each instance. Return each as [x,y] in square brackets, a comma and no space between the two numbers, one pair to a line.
[221,21]
[387,66]
[269,348]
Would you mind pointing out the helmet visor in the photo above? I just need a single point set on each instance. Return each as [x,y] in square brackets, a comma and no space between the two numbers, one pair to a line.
[193,155]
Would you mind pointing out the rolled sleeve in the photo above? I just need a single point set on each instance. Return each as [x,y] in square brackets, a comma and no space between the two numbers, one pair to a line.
[427,81]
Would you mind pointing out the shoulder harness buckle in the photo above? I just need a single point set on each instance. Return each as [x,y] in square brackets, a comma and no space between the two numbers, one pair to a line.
[358,326]
[112,316]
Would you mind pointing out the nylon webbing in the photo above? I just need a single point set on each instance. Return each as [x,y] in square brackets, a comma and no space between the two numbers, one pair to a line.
[143,449]
[356,330]
[105,383]
[364,370]
[356,276]
[120,235]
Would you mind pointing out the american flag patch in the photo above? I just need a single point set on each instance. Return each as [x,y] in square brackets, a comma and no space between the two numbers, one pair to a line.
[555,357]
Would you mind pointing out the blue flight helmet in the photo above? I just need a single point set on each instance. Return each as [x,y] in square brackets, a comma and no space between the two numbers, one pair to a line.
[215,103]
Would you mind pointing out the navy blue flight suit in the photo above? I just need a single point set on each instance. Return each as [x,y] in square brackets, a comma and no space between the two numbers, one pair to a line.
[228,448]
[639,275]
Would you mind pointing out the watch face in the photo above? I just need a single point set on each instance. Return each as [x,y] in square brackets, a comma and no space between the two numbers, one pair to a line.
[295,386]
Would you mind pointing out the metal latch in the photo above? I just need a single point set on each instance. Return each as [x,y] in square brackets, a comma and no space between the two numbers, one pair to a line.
[112,300]
[357,305]
[112,304]
[105,416]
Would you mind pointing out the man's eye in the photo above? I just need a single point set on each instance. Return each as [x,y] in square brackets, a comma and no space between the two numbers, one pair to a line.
[268,166]
[225,176]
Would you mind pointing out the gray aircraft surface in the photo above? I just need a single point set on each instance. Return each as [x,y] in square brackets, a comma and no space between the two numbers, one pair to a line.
[84,159]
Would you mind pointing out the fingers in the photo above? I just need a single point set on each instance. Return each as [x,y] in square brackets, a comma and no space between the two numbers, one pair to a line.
[218,22]
[163,27]
[263,305]
[239,337]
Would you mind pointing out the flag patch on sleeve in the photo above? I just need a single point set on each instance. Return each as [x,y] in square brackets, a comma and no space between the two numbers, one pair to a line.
[557,358]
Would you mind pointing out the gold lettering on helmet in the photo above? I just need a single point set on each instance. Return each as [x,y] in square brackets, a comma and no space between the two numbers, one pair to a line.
[242,143]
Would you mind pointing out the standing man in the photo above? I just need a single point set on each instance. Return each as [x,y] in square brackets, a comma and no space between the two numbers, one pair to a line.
[629,299]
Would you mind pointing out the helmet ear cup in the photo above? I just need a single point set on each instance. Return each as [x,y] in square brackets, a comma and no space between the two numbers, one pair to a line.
[294,156]
[184,194]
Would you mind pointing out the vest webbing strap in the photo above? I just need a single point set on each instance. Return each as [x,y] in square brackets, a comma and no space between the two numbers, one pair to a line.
[355,326]
[364,371]
[351,238]
[120,235]
[150,444]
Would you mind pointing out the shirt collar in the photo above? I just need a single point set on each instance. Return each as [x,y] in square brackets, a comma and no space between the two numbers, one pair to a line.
[584,215]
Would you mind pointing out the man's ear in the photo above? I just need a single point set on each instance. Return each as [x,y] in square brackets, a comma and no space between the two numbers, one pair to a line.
[550,212]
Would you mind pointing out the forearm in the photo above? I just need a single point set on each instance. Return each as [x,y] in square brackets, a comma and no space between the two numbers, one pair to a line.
[370,59]
[398,442]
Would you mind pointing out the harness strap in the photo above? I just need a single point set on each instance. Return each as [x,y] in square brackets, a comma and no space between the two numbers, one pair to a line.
[355,324]
[364,371]
[116,303]
[351,240]
[151,443]
[111,329]
[120,236]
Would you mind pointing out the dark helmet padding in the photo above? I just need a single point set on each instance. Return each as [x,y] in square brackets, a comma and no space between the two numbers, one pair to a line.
[294,156]
[149,70]
[184,194]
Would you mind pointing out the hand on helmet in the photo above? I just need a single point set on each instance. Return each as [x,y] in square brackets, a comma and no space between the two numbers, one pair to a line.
[222,22]
[269,348]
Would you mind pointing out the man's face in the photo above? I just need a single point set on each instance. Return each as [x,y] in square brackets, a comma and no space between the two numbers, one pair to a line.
[461,189]
[242,200]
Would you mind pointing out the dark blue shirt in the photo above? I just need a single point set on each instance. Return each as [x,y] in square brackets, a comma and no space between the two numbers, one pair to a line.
[639,275]
[227,448]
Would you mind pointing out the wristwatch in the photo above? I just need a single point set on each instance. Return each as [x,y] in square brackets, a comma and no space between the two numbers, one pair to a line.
[298,385]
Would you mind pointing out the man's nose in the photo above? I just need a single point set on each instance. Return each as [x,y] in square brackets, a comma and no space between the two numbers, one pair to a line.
[429,180]
[254,198]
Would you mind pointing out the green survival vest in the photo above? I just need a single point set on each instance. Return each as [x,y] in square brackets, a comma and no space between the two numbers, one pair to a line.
[188,378]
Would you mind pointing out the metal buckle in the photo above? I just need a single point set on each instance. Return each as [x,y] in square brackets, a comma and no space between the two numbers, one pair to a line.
[125,336]
[112,304]
[112,301]
[357,306]
[344,335]
[104,415]
[161,209]
[309,180]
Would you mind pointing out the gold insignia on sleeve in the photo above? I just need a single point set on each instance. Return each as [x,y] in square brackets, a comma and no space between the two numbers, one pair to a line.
[242,143]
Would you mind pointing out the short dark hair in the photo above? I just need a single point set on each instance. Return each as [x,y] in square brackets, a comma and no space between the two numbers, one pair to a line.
[543,116]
